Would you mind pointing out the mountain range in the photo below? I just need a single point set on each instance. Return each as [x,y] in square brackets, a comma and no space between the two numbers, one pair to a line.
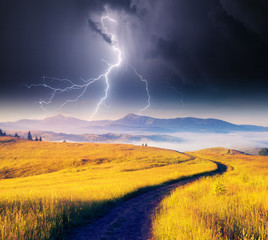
[131,123]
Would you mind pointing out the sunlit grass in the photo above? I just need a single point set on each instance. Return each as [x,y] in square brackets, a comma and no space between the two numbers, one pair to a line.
[20,157]
[62,184]
[232,206]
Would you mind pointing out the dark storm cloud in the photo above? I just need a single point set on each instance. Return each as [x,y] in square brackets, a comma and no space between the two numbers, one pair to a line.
[47,37]
[171,51]
[100,5]
[219,44]
[252,14]
[94,26]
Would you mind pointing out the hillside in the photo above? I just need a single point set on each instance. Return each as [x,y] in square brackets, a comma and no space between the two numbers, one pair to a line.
[47,188]
[20,157]
[231,206]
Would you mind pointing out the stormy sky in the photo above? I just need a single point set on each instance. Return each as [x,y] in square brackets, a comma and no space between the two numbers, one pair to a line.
[201,58]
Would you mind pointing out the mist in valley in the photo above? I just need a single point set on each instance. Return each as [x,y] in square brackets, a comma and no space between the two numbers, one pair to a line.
[197,141]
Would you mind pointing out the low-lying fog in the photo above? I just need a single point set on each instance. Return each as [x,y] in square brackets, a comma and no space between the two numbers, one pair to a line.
[196,141]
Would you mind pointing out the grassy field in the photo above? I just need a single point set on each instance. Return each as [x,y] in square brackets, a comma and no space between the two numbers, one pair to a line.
[47,188]
[21,158]
[231,206]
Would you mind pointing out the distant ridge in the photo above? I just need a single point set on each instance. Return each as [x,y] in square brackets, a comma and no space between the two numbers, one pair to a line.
[58,123]
[98,138]
[131,123]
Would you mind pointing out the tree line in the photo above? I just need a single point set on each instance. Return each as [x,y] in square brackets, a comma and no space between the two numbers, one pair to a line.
[29,136]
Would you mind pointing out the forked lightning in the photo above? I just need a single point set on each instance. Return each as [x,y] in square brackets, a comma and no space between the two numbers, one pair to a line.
[86,83]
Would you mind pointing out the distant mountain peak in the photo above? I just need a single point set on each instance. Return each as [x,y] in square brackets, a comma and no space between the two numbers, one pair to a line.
[138,120]
[58,116]
[131,116]
[61,117]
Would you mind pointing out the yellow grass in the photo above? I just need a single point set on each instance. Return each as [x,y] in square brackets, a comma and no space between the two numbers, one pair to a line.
[232,206]
[19,157]
[54,186]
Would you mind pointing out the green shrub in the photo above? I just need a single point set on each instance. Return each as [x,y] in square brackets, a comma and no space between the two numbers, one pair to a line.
[263,152]
[219,188]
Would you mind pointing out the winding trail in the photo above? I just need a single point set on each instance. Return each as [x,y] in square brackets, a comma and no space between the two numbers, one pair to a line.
[132,219]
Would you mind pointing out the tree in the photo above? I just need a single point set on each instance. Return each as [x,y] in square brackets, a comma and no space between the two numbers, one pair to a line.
[16,135]
[30,136]
[2,133]
[36,139]
[40,139]
[263,152]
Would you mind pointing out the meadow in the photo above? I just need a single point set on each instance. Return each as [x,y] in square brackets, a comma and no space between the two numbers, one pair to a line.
[231,206]
[48,188]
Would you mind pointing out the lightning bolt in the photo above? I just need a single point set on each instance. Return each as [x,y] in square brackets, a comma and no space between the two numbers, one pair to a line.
[86,83]
[147,91]
[111,67]
[56,91]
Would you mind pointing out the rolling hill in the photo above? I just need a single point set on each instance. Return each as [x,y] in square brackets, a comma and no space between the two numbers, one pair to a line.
[47,188]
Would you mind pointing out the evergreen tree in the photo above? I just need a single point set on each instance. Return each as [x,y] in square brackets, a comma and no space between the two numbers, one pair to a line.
[16,135]
[2,133]
[40,139]
[30,136]
[36,139]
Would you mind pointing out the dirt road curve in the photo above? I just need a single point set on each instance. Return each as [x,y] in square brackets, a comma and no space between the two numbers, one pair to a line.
[132,219]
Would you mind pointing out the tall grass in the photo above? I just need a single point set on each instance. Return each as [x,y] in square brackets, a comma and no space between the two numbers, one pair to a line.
[19,157]
[43,206]
[232,206]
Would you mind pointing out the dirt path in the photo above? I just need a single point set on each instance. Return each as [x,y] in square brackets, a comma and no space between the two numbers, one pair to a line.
[132,219]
